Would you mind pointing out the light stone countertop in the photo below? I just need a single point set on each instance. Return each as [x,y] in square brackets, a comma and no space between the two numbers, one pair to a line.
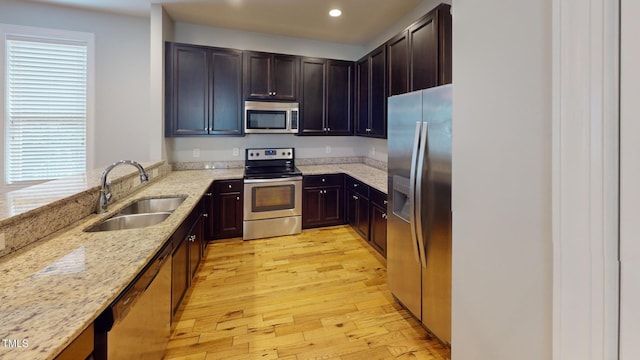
[52,290]
[369,175]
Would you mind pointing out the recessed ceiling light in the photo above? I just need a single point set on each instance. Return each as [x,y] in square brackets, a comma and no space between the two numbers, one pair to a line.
[335,12]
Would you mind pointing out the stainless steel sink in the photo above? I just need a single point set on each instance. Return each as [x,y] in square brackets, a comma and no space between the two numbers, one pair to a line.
[131,221]
[152,205]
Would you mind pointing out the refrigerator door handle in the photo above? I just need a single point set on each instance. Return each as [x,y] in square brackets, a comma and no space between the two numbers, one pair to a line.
[418,197]
[412,192]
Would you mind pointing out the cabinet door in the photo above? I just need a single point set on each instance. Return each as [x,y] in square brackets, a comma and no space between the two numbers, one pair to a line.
[362,216]
[209,218]
[285,77]
[378,93]
[362,96]
[179,274]
[226,92]
[340,80]
[312,97]
[312,205]
[187,90]
[398,66]
[378,234]
[423,53]
[256,75]
[333,205]
[352,208]
[228,215]
[195,247]
[443,12]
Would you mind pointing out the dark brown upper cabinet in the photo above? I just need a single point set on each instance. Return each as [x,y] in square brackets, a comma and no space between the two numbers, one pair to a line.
[270,76]
[371,94]
[430,49]
[203,91]
[326,97]
[420,56]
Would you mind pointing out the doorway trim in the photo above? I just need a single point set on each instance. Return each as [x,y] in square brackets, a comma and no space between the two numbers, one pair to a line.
[585,174]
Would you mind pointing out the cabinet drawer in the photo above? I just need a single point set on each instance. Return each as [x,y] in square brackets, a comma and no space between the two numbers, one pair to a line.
[357,186]
[322,180]
[227,186]
[377,197]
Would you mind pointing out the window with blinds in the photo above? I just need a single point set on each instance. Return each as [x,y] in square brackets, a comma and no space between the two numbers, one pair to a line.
[46,108]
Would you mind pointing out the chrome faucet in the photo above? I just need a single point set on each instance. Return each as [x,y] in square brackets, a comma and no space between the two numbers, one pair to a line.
[105,187]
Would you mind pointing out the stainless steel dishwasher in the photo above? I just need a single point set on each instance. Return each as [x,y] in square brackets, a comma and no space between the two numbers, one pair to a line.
[137,324]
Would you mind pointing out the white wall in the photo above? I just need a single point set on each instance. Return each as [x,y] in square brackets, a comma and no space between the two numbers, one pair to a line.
[629,185]
[122,114]
[502,250]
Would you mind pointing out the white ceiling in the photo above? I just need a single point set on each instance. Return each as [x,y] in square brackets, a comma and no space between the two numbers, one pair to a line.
[361,20]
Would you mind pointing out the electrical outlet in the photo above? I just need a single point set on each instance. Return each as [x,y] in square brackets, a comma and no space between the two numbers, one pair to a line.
[236,152]
[373,150]
[196,153]
[327,149]
[2,242]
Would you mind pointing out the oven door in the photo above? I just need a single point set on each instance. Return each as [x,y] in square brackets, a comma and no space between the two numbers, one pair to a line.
[272,198]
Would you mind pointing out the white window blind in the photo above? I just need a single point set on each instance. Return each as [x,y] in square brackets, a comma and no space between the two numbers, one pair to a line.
[46,94]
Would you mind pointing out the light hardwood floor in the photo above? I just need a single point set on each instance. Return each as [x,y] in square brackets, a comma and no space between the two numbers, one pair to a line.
[318,295]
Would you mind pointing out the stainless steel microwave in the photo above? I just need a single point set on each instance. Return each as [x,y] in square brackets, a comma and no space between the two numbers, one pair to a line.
[270,117]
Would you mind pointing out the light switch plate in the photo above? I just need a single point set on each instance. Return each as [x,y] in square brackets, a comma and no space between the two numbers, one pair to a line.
[196,153]
[327,149]
[236,151]
[2,242]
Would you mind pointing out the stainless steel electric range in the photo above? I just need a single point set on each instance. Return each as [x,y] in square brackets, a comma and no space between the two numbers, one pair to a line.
[272,193]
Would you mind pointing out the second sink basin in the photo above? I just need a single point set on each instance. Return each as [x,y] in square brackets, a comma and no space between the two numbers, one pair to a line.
[131,221]
[152,205]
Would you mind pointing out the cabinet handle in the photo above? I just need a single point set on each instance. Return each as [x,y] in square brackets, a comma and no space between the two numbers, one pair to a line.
[205,215]
[191,238]
[355,197]
[230,186]
[328,129]
[322,179]
[208,194]
[384,216]
[355,185]
[238,198]
[385,202]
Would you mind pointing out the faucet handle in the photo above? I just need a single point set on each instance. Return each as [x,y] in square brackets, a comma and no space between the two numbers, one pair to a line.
[144,177]
[107,194]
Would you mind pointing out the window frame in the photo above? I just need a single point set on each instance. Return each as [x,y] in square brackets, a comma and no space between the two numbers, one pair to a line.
[50,34]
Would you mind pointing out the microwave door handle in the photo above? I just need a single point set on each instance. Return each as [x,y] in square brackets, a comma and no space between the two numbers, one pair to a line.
[412,192]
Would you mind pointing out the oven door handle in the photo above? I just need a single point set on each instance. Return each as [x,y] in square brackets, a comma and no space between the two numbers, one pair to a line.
[262,181]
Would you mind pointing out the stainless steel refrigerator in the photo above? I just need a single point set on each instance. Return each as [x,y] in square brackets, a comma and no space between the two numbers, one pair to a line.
[419,225]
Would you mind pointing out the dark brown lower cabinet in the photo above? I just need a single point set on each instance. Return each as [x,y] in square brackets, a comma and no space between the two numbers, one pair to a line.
[187,253]
[358,213]
[224,209]
[378,221]
[367,213]
[322,200]
[179,274]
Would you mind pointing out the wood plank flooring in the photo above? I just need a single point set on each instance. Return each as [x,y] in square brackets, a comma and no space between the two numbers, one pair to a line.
[318,295]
